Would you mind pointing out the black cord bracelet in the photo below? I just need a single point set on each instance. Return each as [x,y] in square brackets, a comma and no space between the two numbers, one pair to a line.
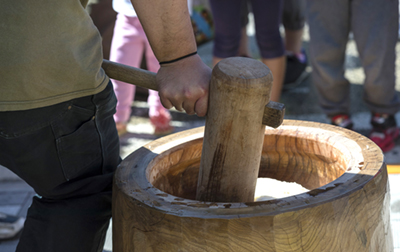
[175,60]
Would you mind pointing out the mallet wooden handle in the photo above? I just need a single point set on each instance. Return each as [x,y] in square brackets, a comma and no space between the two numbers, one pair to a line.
[233,137]
[138,77]
[273,111]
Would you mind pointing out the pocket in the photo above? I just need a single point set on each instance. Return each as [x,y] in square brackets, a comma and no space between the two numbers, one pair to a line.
[78,140]
[80,152]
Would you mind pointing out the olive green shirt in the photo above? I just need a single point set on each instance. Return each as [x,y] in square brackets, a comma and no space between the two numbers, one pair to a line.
[50,52]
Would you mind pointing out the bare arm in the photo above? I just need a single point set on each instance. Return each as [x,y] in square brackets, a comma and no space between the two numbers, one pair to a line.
[183,84]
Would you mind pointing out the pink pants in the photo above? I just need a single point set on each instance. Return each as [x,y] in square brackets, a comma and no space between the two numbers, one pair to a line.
[128,45]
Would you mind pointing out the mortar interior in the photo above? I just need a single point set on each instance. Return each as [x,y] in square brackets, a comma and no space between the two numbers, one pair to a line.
[309,161]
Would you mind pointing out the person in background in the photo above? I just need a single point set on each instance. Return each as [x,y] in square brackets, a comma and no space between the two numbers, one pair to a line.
[129,44]
[228,29]
[243,50]
[103,17]
[374,24]
[293,20]
[57,130]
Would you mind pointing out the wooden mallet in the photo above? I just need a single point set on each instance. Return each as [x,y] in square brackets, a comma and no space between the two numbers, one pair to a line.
[239,108]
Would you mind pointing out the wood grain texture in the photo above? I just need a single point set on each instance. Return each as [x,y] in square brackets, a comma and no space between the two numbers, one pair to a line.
[132,75]
[239,91]
[347,209]
[274,113]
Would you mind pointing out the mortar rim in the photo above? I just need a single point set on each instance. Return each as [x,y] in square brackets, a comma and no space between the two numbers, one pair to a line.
[151,197]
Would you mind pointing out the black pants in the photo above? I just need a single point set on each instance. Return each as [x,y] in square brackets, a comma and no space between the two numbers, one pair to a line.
[68,153]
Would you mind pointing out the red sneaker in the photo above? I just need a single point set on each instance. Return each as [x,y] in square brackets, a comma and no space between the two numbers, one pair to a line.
[161,122]
[384,131]
[342,120]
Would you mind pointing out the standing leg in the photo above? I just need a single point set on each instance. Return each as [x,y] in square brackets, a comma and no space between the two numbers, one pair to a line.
[375,29]
[329,24]
[227,23]
[244,20]
[68,153]
[293,20]
[126,48]
[267,17]
[375,32]
[277,67]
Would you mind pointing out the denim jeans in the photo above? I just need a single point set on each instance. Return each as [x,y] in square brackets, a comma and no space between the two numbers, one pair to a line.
[68,153]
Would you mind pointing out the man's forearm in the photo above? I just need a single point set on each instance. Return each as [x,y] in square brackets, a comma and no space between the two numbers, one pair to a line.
[167,26]
[182,83]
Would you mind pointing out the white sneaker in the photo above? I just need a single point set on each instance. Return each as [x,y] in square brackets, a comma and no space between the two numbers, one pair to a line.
[10,225]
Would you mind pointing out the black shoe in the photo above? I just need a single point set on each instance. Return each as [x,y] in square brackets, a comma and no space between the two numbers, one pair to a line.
[295,72]
[10,226]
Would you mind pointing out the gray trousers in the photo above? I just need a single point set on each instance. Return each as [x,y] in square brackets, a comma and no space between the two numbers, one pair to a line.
[374,24]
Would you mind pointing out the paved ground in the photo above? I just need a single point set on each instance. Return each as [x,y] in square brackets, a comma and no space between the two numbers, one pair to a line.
[15,195]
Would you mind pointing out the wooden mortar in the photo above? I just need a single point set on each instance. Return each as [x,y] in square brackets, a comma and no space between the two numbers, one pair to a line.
[347,209]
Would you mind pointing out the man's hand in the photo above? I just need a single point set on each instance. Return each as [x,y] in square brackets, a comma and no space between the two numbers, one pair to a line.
[184,85]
